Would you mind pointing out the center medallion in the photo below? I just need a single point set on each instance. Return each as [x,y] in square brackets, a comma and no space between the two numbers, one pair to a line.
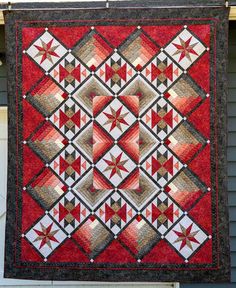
[116,142]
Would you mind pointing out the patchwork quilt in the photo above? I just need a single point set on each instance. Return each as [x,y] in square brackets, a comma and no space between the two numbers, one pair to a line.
[117,145]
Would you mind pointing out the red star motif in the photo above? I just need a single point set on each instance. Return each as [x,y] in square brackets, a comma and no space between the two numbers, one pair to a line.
[185,49]
[116,118]
[115,165]
[46,51]
[46,235]
[186,236]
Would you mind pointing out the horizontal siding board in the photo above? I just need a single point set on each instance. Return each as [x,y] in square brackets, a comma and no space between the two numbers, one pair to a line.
[232,184]
[232,214]
[233,259]
[231,168]
[231,153]
[232,107]
[232,80]
[232,198]
[231,66]
[232,95]
[232,124]
[231,139]
[232,227]
[233,243]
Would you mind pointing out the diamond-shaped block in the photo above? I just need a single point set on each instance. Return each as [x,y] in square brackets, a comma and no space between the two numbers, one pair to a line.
[69,73]
[115,118]
[69,212]
[162,212]
[161,72]
[93,237]
[147,141]
[85,190]
[139,197]
[116,166]
[161,118]
[45,236]
[185,95]
[70,118]
[138,49]
[91,88]
[161,165]
[46,51]
[139,237]
[84,141]
[115,212]
[186,237]
[185,48]
[70,165]
[115,72]
[47,142]
[185,189]
[146,94]
[47,188]
[92,50]
[47,96]
[185,142]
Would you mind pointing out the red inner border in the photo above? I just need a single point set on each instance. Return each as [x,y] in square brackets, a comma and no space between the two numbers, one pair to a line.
[17,151]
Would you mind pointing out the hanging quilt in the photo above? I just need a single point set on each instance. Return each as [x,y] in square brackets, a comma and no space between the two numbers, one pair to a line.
[117,140]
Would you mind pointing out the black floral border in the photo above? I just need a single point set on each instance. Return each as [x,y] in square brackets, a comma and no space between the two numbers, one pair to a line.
[13,267]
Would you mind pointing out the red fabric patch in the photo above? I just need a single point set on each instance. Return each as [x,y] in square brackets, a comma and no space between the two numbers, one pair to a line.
[122,257]
[115,34]
[201,212]
[200,72]
[30,34]
[31,119]
[30,170]
[30,75]
[31,211]
[162,34]
[202,32]
[28,253]
[204,254]
[68,252]
[163,250]
[69,36]
[201,165]
[202,112]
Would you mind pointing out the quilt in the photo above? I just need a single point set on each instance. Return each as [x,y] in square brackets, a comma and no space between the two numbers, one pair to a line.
[117,145]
